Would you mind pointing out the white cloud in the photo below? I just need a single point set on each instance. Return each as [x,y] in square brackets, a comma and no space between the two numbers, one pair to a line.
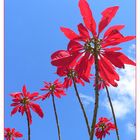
[131,127]
[124,95]
[132,48]
[87,100]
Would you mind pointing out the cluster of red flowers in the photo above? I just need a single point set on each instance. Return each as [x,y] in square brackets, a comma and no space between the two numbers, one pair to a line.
[75,65]
[80,53]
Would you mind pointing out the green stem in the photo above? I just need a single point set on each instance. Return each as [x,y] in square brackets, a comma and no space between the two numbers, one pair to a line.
[113,113]
[82,107]
[56,117]
[28,122]
[96,97]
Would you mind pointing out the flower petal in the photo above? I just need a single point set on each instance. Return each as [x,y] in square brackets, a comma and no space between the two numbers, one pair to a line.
[107,14]
[83,32]
[112,28]
[36,108]
[69,33]
[87,16]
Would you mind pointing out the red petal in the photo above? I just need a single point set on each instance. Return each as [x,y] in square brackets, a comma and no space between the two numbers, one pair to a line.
[125,59]
[112,28]
[69,33]
[62,71]
[74,46]
[114,59]
[106,72]
[15,110]
[24,90]
[36,108]
[87,16]
[84,66]
[112,49]
[108,66]
[83,31]
[62,58]
[15,104]
[18,135]
[107,14]
[34,94]
[29,114]
[118,41]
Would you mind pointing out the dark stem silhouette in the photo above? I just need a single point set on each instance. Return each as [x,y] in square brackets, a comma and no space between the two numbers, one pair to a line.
[113,113]
[82,107]
[28,123]
[96,94]
[56,117]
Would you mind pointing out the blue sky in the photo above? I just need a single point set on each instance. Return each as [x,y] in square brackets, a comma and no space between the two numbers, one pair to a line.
[32,34]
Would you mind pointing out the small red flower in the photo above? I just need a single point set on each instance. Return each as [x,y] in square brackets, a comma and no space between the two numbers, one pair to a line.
[102,84]
[24,101]
[56,88]
[81,48]
[103,127]
[70,74]
[11,134]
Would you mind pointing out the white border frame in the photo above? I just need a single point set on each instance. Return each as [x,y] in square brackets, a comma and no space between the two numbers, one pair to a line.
[1,69]
[137,70]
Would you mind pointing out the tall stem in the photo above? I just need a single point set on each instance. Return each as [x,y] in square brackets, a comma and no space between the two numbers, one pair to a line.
[28,122]
[96,96]
[56,117]
[113,113]
[82,107]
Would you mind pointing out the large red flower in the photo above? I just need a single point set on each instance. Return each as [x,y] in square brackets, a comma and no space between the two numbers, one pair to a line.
[11,134]
[81,48]
[103,127]
[23,102]
[56,88]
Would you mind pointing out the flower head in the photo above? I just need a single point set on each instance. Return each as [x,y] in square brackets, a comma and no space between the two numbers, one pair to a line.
[70,74]
[56,88]
[11,134]
[23,102]
[83,46]
[103,127]
[101,83]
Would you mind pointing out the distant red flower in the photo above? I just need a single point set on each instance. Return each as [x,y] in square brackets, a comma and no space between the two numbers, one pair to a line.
[103,127]
[102,83]
[70,74]
[83,53]
[11,134]
[24,101]
[56,88]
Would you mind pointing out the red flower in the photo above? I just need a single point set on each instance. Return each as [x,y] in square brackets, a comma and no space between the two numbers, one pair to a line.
[11,134]
[83,53]
[55,88]
[103,127]
[72,73]
[24,101]
[102,83]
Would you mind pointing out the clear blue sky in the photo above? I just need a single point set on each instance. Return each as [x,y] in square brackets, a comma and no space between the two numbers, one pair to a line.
[32,34]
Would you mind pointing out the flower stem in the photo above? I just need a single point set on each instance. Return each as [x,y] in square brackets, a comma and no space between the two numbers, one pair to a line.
[113,113]
[96,96]
[56,117]
[28,122]
[82,107]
